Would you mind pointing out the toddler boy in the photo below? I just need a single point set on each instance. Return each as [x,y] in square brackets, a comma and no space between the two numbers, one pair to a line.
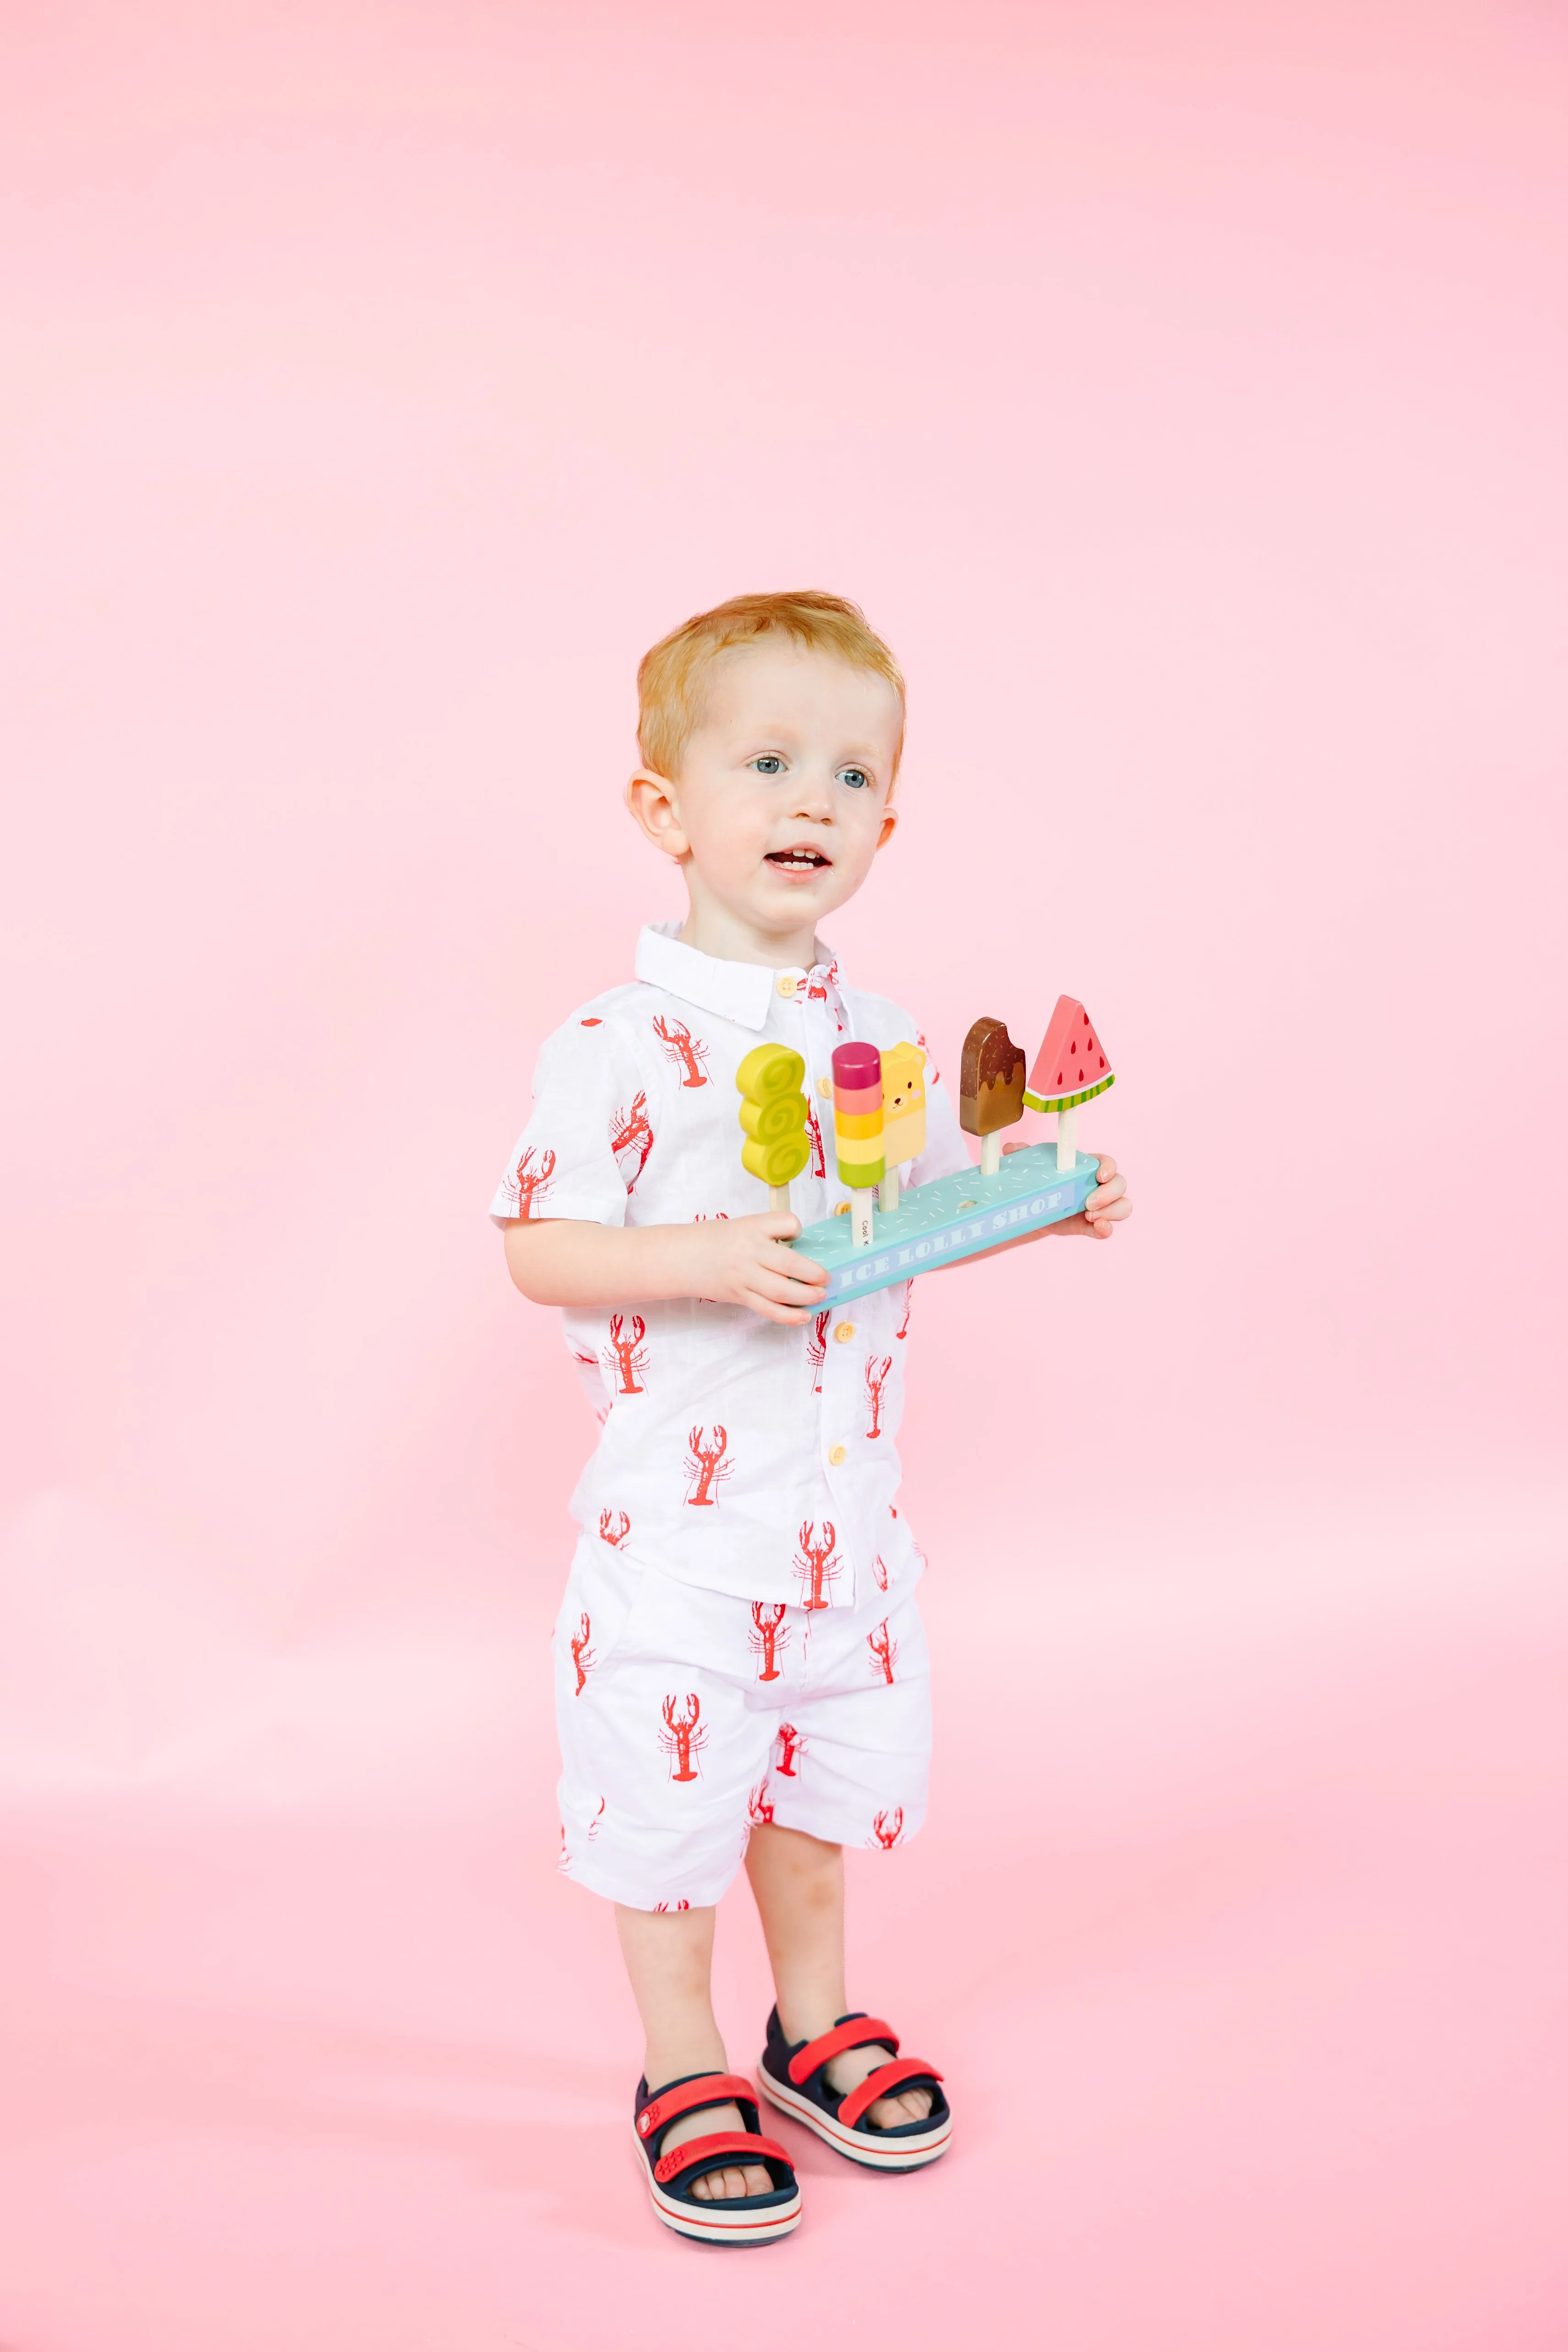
[740,1667]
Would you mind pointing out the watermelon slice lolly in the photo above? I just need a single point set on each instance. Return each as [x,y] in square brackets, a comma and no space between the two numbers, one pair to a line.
[1071,1067]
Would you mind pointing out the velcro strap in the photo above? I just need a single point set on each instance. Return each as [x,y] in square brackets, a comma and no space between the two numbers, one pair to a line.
[879,2082]
[854,2033]
[707,2091]
[751,2147]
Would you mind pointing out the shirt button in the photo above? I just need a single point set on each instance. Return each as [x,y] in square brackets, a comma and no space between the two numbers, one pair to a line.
[845,1331]
[836,1455]
[786,985]
[825,1089]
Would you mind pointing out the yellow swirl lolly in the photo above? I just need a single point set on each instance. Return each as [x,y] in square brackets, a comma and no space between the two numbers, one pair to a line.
[773,1114]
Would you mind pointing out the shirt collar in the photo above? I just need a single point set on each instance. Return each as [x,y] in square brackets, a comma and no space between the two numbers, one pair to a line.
[742,993]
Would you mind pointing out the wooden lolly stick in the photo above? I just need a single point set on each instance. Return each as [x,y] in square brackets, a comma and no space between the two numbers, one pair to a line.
[778,1199]
[863,1222]
[1067,1139]
[887,1192]
[991,1153]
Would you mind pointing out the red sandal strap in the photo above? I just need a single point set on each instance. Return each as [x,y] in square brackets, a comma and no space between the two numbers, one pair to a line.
[879,2082]
[706,2091]
[854,2033]
[749,2146]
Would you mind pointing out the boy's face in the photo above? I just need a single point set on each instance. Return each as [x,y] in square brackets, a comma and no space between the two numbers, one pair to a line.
[780,803]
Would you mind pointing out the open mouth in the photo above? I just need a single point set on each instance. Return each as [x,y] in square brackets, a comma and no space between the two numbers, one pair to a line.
[797,861]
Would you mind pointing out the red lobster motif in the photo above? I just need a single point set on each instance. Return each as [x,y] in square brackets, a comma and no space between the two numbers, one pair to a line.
[630,1131]
[681,1047]
[883,1650]
[531,1184]
[902,1330]
[683,1735]
[888,1829]
[581,1655]
[609,1532]
[758,1811]
[875,1381]
[814,1565]
[789,1746]
[768,1633]
[819,1165]
[682,1906]
[705,1463]
[817,1347]
[630,1353]
[593,1824]
[879,1569]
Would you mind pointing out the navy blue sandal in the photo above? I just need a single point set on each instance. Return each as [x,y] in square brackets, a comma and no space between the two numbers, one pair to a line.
[792,2077]
[717,2221]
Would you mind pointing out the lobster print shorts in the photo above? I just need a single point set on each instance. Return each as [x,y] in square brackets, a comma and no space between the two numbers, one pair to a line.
[688,1717]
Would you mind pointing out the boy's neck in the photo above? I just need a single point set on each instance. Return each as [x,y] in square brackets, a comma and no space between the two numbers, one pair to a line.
[713,931]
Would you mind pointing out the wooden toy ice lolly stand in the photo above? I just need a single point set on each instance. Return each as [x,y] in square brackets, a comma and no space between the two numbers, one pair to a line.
[879,1120]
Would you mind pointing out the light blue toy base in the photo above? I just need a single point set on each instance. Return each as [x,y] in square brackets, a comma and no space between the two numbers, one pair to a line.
[934,1225]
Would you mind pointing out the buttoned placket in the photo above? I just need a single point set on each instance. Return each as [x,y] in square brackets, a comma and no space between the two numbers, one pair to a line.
[823,1025]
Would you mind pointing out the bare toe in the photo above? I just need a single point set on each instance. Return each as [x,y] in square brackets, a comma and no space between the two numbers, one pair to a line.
[900,2107]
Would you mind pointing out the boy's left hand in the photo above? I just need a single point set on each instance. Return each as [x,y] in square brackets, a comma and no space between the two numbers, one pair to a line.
[1101,1214]
[1103,1210]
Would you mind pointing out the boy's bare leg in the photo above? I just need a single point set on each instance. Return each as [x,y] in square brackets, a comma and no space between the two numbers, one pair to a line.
[669,1958]
[798,1883]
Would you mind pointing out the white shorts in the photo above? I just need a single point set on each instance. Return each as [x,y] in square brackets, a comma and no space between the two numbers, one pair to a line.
[688,1717]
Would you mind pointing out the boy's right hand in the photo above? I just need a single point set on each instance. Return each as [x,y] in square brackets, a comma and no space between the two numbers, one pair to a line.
[742,1262]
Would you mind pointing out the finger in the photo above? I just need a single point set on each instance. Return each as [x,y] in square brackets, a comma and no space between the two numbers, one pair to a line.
[771,1308]
[1107,1168]
[784,1293]
[1104,1195]
[780,1225]
[804,1269]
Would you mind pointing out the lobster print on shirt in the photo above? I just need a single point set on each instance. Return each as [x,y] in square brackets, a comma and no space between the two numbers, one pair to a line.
[815,1564]
[723,1433]
[529,1181]
[631,1140]
[630,1355]
[705,1463]
[689,1053]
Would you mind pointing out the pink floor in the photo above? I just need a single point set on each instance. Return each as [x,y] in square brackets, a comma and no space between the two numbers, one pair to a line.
[1241,1929]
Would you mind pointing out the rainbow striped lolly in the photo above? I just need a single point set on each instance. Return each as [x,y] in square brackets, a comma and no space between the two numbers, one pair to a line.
[857,1114]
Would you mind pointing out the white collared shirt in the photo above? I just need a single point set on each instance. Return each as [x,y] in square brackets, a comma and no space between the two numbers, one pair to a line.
[755,1458]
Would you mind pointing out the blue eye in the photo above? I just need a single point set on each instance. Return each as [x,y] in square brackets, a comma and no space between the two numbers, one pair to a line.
[856,779]
[768,764]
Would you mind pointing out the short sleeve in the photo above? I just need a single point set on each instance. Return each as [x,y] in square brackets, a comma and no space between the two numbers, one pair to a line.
[587,1106]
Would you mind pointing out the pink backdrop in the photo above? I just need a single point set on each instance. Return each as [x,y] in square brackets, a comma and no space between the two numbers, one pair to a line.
[1181,389]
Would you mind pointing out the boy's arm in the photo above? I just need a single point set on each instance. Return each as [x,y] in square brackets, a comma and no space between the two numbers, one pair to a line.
[733,1261]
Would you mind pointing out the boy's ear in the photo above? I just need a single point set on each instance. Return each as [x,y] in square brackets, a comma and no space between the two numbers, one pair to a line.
[889,819]
[652,801]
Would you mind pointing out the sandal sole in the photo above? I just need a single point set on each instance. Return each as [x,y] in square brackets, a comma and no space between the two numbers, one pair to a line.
[687,2221]
[901,2156]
